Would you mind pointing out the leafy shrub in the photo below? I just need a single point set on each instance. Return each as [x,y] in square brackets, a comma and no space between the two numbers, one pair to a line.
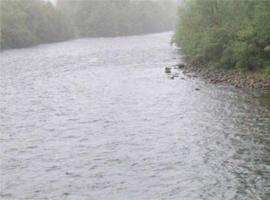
[225,33]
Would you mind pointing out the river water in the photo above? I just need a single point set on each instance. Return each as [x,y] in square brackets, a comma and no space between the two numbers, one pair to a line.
[99,119]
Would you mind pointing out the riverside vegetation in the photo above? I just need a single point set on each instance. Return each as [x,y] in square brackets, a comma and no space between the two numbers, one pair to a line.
[31,22]
[227,35]
[220,34]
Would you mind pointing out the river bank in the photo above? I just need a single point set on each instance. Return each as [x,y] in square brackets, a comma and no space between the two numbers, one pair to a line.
[234,77]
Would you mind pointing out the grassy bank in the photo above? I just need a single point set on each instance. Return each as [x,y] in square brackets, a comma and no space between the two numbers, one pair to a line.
[226,34]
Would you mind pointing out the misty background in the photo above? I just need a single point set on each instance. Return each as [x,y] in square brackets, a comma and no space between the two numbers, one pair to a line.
[104,116]
[30,22]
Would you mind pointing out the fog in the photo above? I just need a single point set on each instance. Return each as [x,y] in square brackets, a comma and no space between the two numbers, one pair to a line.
[30,22]
[134,100]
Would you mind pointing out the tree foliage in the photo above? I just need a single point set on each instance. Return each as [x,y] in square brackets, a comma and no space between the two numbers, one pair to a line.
[31,22]
[226,33]
[119,17]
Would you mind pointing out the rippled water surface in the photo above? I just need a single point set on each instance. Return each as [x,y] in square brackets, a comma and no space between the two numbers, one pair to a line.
[99,119]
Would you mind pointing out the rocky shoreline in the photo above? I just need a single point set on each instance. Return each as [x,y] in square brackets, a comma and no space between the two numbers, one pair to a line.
[244,80]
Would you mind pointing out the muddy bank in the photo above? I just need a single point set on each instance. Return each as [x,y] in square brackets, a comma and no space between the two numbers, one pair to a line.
[244,80]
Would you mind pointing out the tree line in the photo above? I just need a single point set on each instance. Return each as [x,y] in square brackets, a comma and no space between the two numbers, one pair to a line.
[226,33]
[30,22]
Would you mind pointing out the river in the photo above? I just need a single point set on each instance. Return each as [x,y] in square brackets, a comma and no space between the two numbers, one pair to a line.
[99,119]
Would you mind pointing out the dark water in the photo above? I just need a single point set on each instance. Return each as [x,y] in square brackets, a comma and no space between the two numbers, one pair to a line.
[99,119]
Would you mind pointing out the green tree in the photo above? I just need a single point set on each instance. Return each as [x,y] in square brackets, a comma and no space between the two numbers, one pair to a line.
[30,22]
[225,33]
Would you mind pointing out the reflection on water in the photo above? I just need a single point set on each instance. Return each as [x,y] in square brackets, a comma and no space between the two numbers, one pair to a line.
[99,119]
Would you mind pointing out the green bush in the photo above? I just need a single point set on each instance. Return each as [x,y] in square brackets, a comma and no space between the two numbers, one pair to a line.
[267,71]
[30,22]
[225,33]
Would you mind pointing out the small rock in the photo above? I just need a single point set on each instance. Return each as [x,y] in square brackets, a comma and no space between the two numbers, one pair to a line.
[197,89]
[180,66]
[168,70]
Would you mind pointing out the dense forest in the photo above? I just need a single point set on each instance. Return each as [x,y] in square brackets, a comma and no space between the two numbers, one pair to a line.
[119,17]
[228,34]
[30,22]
